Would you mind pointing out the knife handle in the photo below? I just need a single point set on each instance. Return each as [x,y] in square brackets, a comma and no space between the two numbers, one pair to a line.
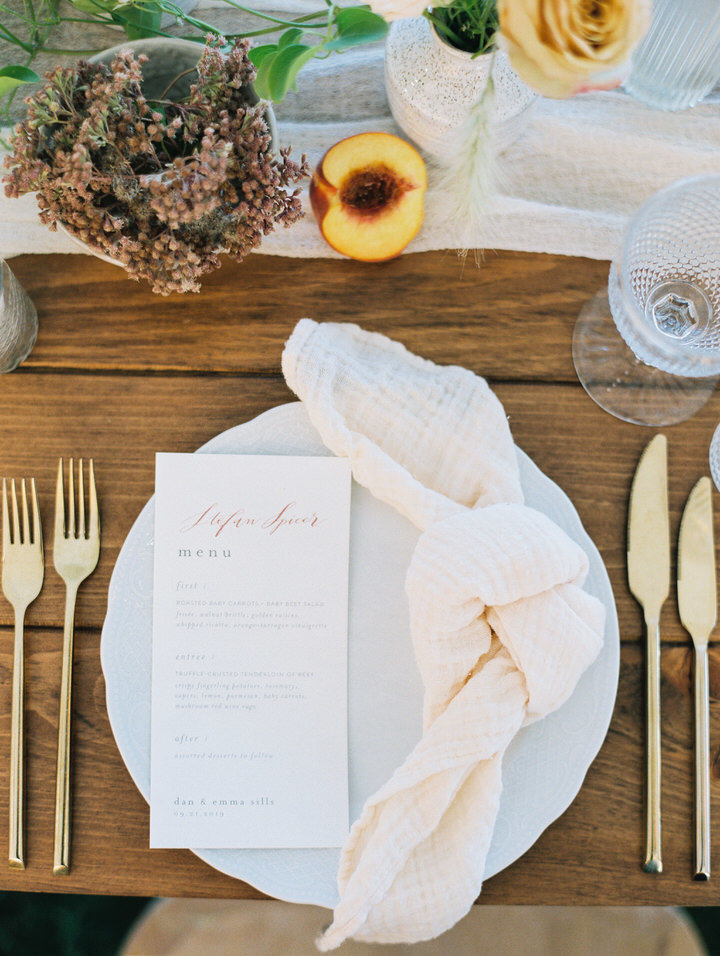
[653,857]
[702,766]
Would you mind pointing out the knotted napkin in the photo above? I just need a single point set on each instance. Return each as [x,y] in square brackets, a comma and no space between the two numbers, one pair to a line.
[501,627]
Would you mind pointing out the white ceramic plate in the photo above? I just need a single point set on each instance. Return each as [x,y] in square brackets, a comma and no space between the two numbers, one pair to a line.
[546,763]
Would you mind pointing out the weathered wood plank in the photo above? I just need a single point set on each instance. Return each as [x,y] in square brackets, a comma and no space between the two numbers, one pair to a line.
[591,854]
[122,422]
[512,318]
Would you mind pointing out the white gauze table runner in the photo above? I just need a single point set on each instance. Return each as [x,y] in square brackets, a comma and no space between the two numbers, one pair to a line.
[569,184]
[501,627]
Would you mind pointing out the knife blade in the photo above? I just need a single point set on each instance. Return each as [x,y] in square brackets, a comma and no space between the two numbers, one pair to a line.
[697,602]
[648,559]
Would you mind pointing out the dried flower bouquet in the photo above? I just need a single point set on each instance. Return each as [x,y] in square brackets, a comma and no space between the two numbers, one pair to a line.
[162,187]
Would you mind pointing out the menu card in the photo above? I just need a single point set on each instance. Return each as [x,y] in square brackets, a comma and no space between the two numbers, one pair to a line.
[249,677]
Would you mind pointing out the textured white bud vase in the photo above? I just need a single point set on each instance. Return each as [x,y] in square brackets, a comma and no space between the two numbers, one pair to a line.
[18,321]
[432,86]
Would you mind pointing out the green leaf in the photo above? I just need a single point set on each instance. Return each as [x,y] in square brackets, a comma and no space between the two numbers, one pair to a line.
[278,70]
[289,37]
[138,22]
[285,67]
[95,6]
[263,70]
[13,76]
[356,25]
[259,53]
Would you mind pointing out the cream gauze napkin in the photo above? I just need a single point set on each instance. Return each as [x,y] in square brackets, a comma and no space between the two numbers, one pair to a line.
[501,627]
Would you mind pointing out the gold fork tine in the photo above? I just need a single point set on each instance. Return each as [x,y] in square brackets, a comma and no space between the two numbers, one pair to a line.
[16,516]
[6,518]
[26,517]
[37,529]
[22,578]
[71,501]
[94,514]
[74,558]
[81,500]
[60,503]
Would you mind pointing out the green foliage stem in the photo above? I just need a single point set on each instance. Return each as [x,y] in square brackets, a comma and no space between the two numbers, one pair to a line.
[301,39]
[469,25]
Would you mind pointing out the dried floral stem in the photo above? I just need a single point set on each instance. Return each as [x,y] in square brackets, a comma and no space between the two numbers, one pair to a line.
[161,187]
[167,89]
[468,181]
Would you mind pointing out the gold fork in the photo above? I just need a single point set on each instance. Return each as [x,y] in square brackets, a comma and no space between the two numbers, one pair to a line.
[75,558]
[23,570]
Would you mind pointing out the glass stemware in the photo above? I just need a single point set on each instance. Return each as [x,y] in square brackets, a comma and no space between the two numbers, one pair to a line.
[18,321]
[715,458]
[663,298]
[678,62]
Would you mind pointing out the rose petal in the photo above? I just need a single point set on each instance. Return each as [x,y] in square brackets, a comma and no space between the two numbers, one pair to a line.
[559,47]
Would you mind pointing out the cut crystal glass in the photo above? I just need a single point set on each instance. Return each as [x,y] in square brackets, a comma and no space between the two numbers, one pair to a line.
[664,299]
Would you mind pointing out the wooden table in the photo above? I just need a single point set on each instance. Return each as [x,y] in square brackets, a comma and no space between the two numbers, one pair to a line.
[119,374]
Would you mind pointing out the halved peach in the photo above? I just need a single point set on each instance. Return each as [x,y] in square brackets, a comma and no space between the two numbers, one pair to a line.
[367,195]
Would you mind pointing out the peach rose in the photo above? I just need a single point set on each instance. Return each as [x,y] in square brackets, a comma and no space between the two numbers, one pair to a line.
[561,47]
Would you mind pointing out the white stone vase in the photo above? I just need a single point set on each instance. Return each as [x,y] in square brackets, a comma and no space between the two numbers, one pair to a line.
[432,86]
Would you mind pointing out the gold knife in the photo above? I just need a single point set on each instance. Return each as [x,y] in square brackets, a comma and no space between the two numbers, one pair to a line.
[648,559]
[697,601]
